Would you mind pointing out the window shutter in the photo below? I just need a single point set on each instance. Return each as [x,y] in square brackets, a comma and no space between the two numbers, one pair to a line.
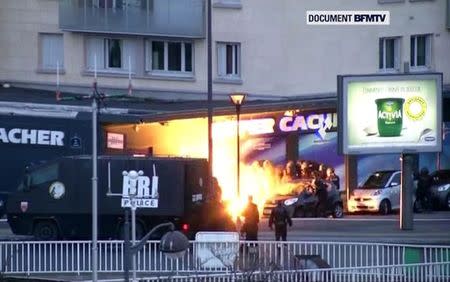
[94,48]
[46,51]
[128,54]
[52,51]
[221,59]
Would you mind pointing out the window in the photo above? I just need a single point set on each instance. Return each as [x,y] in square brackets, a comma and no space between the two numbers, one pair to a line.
[228,60]
[389,56]
[51,51]
[169,57]
[420,51]
[40,176]
[396,179]
[113,53]
[110,54]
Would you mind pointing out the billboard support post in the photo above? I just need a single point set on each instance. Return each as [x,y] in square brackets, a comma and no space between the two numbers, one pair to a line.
[351,175]
[406,202]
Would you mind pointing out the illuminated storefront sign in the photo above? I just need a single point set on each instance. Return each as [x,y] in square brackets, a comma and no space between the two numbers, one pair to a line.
[115,141]
[250,127]
[314,122]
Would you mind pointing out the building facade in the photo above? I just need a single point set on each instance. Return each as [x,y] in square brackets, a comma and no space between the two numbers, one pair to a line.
[261,47]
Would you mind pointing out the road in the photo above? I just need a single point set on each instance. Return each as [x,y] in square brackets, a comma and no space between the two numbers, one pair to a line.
[429,228]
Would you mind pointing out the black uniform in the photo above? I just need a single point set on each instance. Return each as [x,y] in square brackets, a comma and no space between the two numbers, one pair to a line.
[280,218]
[250,227]
[334,179]
[322,197]
[424,184]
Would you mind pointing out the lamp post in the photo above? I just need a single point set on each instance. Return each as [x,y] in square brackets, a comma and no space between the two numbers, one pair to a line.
[238,99]
[173,244]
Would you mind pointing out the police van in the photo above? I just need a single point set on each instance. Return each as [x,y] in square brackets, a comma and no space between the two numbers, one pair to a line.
[54,199]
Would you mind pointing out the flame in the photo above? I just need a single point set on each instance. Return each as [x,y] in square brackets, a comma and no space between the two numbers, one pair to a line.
[261,181]
[188,137]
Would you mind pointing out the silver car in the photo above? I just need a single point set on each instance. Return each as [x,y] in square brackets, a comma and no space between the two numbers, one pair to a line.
[379,193]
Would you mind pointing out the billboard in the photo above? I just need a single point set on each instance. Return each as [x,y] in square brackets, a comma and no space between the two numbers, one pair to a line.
[390,113]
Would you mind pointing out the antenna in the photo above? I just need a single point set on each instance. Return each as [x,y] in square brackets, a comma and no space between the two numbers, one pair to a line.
[58,93]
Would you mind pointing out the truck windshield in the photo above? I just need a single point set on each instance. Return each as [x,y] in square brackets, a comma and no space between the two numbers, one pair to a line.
[377,180]
[39,176]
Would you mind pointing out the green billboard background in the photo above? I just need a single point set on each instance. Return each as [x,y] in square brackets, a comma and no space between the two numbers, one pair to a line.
[397,113]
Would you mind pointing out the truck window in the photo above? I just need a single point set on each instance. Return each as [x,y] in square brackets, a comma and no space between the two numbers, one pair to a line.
[45,174]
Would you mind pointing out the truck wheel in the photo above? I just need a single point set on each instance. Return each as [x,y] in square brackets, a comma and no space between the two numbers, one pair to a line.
[448,201]
[385,207]
[45,230]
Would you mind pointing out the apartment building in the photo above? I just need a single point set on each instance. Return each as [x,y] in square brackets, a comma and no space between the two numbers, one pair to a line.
[261,47]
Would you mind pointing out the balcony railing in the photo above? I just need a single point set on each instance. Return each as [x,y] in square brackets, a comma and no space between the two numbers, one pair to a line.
[167,18]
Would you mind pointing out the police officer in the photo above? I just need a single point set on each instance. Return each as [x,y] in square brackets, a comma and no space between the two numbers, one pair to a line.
[280,217]
[424,184]
[332,177]
[251,220]
[322,194]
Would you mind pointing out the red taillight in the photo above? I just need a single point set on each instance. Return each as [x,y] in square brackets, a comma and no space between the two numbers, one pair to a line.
[185,227]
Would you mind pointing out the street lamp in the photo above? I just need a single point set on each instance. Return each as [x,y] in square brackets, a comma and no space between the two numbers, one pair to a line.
[173,244]
[238,99]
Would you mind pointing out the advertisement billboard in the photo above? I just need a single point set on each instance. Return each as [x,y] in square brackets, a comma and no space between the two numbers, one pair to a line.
[390,113]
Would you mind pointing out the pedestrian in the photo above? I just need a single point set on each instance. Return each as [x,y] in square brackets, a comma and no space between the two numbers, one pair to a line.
[251,220]
[423,189]
[280,218]
[322,171]
[321,193]
[332,177]
[305,171]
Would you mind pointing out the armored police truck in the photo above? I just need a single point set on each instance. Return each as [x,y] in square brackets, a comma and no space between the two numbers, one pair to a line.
[31,139]
[54,199]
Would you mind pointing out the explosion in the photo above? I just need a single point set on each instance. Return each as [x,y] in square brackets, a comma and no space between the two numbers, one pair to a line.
[262,180]
[188,137]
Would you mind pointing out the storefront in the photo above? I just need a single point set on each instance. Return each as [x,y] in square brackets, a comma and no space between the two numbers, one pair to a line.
[267,138]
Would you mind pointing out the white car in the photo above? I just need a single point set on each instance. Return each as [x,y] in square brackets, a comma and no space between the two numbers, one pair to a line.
[379,193]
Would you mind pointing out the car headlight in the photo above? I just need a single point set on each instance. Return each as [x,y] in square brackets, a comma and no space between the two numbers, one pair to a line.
[289,202]
[443,188]
[377,192]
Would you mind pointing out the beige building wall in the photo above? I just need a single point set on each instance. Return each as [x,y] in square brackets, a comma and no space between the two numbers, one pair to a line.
[280,54]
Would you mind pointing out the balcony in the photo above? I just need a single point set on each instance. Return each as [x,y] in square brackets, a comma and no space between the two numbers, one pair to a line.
[165,18]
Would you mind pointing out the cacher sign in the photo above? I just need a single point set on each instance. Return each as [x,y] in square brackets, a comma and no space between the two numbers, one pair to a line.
[314,122]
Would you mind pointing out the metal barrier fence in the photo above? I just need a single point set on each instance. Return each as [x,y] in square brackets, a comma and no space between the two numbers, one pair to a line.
[424,272]
[75,256]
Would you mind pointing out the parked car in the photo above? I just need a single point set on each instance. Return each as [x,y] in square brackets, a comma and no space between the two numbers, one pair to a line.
[303,202]
[379,193]
[440,190]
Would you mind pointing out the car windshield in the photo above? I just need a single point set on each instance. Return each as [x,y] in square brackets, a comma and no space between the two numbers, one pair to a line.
[377,180]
